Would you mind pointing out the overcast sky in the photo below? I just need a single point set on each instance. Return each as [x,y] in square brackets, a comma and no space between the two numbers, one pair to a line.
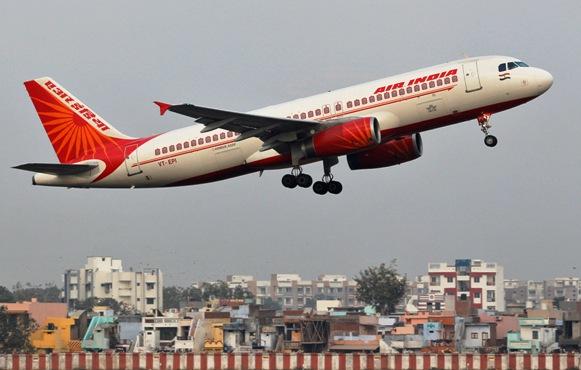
[518,204]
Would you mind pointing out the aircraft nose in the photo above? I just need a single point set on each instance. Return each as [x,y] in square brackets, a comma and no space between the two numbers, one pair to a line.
[544,80]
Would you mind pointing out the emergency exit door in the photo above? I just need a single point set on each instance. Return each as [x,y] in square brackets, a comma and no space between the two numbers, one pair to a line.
[131,160]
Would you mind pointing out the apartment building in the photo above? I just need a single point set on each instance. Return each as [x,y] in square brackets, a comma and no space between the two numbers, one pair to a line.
[104,277]
[292,291]
[474,281]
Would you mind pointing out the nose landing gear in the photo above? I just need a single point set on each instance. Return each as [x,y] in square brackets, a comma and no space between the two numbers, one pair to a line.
[484,123]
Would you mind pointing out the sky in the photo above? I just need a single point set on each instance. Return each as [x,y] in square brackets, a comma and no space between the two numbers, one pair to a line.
[518,204]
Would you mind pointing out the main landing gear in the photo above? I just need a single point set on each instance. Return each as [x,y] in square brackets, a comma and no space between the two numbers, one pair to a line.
[484,123]
[327,185]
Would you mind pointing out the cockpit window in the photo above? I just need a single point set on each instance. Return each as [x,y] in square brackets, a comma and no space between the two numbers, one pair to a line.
[502,67]
[522,64]
[512,65]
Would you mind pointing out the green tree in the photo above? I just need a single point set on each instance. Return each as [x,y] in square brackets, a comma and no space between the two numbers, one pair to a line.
[218,290]
[47,292]
[15,332]
[192,294]
[271,304]
[172,296]
[381,287]
[241,293]
[6,295]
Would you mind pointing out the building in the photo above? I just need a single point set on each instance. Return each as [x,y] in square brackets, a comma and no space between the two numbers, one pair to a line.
[292,291]
[536,335]
[104,277]
[567,289]
[474,283]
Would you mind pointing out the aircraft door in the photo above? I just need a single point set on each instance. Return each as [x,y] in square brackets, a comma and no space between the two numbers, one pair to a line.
[132,160]
[471,77]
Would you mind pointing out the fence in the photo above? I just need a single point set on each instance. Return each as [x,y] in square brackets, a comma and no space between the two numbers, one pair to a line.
[287,361]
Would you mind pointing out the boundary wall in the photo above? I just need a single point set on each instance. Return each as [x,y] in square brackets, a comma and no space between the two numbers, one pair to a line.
[287,361]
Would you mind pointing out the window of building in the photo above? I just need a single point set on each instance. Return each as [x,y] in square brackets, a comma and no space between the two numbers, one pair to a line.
[484,336]
[150,300]
[280,290]
[288,301]
[474,335]
[288,290]
[424,86]
[491,296]
[300,290]
[157,152]
[356,102]
[317,112]
[172,148]
[363,101]
[300,301]
[477,295]
[311,114]
[186,144]
[432,84]
[339,290]
[476,279]
[535,334]
[150,286]
[408,90]
[303,115]
[372,99]
[208,139]
[450,279]
[435,280]
[326,109]
[308,290]
[179,146]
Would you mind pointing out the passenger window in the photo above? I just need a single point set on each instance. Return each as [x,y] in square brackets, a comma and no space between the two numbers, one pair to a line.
[303,115]
[401,92]
[424,86]
[512,65]
[326,110]
[230,134]
[164,150]
[349,104]
[416,88]
[172,148]
[200,141]
[439,83]
[447,80]
[386,95]
[337,107]
[379,97]
[193,142]
[356,102]
[394,93]
[310,114]
[215,137]
[372,99]
[186,145]
[179,147]
[222,136]
[208,139]
[363,101]
[295,116]
[432,84]
[157,152]
[502,67]
[454,78]
[408,90]
[317,112]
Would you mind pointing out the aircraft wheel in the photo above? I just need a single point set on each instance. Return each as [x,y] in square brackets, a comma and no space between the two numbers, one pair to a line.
[289,181]
[335,187]
[320,188]
[490,141]
[304,180]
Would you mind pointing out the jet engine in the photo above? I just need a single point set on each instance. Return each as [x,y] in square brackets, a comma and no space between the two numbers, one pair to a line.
[390,153]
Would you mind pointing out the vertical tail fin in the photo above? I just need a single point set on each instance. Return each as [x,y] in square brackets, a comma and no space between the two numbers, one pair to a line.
[75,131]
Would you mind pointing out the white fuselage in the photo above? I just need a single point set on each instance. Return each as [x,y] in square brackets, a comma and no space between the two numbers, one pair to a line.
[474,89]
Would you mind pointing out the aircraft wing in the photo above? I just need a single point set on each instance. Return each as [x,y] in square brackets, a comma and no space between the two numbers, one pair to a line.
[248,125]
[56,168]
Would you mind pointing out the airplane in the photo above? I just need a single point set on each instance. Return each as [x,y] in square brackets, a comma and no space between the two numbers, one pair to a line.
[375,124]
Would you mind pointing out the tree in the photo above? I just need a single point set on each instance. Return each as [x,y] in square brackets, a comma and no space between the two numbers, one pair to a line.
[15,332]
[6,295]
[218,290]
[241,293]
[47,292]
[271,304]
[381,287]
[172,296]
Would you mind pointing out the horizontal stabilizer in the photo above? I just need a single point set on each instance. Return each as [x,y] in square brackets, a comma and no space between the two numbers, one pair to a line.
[56,168]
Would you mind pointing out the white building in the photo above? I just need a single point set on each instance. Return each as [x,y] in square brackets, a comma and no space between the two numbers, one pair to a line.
[481,283]
[103,277]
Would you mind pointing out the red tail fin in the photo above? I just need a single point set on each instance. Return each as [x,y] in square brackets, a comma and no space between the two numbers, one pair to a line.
[75,131]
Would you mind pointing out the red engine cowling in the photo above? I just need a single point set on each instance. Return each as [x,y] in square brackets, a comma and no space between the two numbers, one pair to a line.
[344,138]
[396,151]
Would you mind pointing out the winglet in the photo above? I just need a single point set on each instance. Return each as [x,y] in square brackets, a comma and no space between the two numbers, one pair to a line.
[163,107]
